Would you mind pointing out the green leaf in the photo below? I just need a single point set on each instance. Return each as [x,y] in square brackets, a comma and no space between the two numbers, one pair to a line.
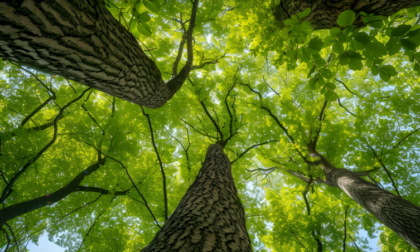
[376,48]
[304,13]
[144,17]
[344,58]
[390,70]
[416,67]
[326,73]
[315,44]
[318,60]
[153,6]
[393,46]
[346,18]
[384,76]
[338,47]
[355,61]
[408,45]
[330,85]
[374,69]
[330,95]
[362,37]
[374,21]
[414,37]
[400,30]
[144,29]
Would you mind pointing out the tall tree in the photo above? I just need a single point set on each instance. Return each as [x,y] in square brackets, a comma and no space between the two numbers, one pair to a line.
[400,215]
[82,41]
[325,13]
[357,82]
[210,216]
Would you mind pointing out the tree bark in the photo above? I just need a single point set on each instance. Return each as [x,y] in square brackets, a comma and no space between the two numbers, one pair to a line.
[400,215]
[325,13]
[210,217]
[82,41]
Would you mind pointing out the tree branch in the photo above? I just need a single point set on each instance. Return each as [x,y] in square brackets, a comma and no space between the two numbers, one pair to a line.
[6,190]
[162,170]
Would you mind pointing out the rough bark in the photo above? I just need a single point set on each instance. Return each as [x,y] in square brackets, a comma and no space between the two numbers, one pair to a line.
[325,13]
[400,215]
[80,40]
[210,217]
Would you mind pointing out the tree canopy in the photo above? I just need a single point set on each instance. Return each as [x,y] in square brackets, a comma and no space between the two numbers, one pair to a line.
[99,173]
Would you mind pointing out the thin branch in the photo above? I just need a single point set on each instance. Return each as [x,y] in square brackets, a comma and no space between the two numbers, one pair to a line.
[346,209]
[183,147]
[321,119]
[91,227]
[348,111]
[14,236]
[7,189]
[36,110]
[250,148]
[208,62]
[99,190]
[405,138]
[198,131]
[137,189]
[345,86]
[175,83]
[215,124]
[7,239]
[272,89]
[388,173]
[162,170]
[84,205]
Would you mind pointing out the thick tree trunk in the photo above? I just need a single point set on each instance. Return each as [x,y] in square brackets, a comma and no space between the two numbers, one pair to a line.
[325,13]
[400,215]
[80,40]
[210,217]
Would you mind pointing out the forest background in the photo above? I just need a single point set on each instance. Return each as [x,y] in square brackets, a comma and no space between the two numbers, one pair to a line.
[277,90]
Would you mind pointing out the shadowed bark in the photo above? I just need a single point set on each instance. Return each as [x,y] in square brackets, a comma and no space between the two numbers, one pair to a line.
[325,13]
[400,215]
[81,40]
[210,217]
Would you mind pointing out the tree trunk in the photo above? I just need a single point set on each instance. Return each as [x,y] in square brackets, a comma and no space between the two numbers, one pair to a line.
[400,215]
[210,217]
[82,41]
[325,13]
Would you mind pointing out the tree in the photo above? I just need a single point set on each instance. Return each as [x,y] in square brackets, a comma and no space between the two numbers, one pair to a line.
[324,14]
[53,129]
[210,216]
[82,41]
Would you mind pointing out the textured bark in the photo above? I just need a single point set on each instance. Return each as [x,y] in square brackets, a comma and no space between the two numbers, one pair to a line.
[210,217]
[400,215]
[325,13]
[80,40]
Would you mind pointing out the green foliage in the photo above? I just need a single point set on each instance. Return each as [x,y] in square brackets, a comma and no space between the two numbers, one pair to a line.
[363,78]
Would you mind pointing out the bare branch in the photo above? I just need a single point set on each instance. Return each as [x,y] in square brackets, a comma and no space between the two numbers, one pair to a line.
[162,170]
[250,148]
[348,111]
[388,173]
[175,83]
[137,189]
[6,190]
[405,138]
[345,86]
